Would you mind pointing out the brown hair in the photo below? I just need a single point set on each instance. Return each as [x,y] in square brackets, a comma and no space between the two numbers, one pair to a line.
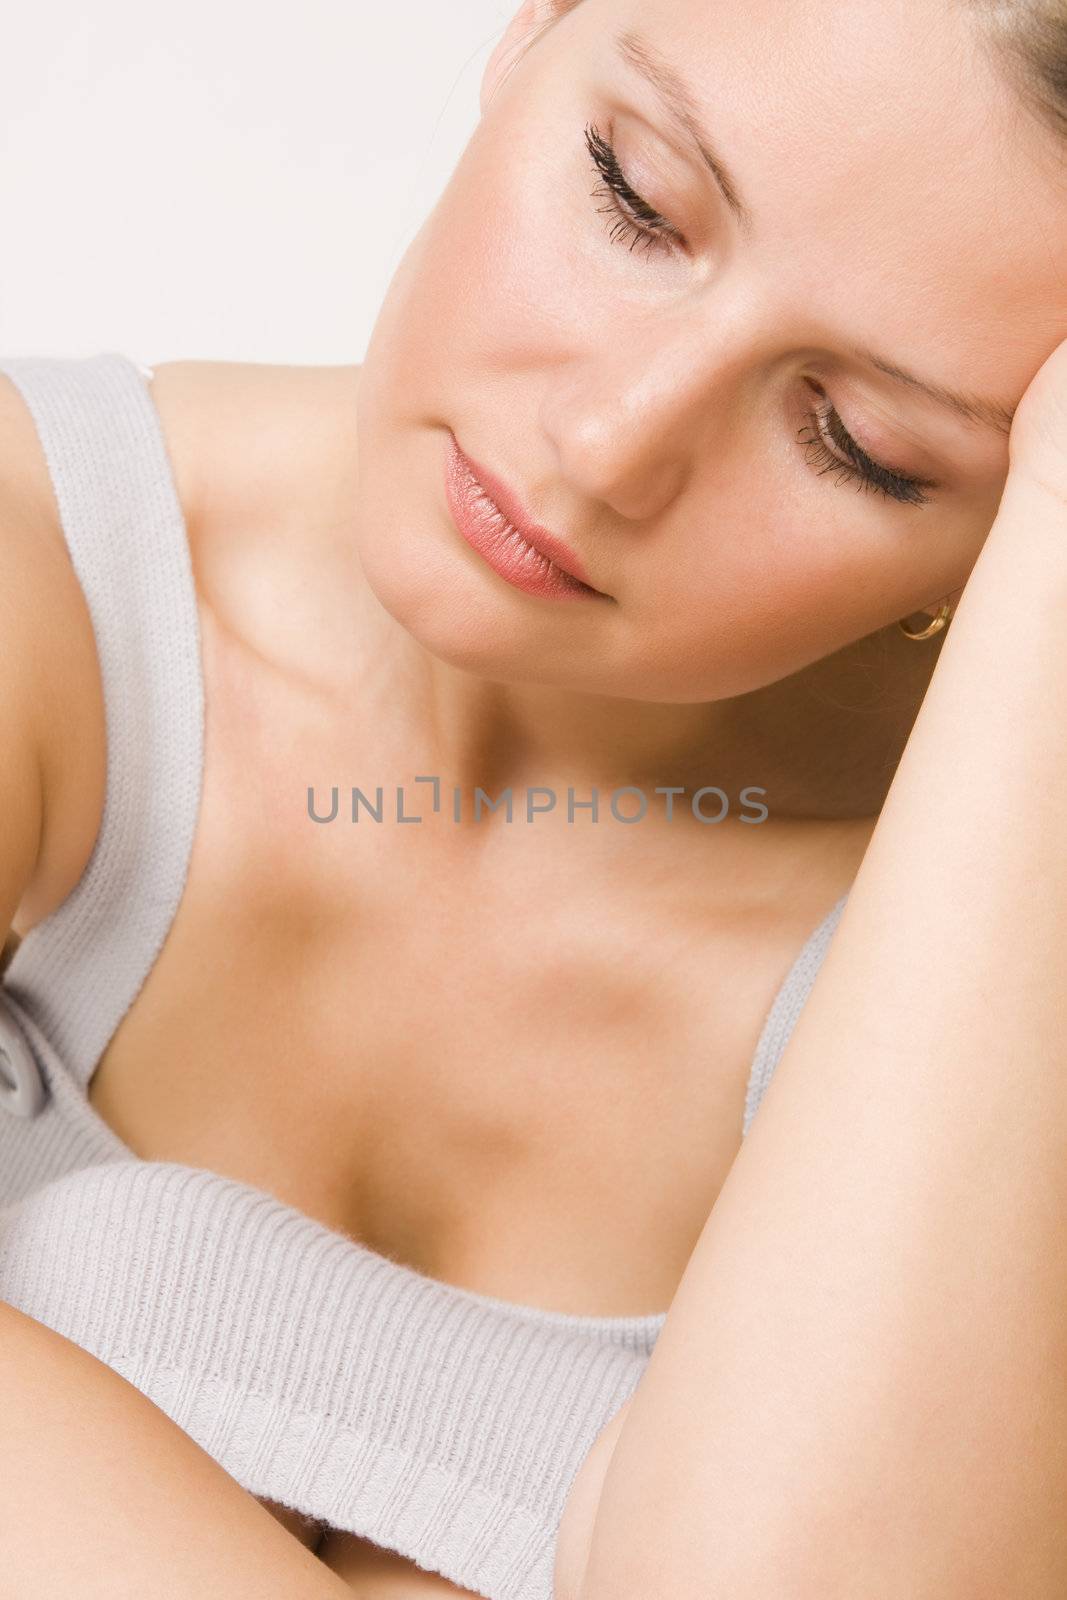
[1032,35]
[551,13]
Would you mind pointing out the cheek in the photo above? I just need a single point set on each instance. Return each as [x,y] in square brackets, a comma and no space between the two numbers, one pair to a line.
[476,318]
[751,592]
[508,279]
[504,304]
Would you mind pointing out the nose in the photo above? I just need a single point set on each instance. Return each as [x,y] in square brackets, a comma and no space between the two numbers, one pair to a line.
[634,418]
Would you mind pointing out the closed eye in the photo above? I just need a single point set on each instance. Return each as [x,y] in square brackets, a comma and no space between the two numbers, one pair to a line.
[632,213]
[831,448]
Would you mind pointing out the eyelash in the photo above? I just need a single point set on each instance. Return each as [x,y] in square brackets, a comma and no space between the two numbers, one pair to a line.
[860,467]
[644,222]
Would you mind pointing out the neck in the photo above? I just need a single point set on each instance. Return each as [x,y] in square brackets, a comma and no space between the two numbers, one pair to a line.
[823,743]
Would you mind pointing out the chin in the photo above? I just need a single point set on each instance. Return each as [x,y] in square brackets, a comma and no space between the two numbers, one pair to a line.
[453,611]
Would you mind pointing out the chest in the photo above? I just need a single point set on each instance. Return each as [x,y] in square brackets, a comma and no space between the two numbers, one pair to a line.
[519,1067]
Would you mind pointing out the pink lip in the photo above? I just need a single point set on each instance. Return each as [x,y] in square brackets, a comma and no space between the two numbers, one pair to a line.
[491,520]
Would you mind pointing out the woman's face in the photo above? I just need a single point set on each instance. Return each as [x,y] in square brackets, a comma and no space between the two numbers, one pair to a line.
[676,407]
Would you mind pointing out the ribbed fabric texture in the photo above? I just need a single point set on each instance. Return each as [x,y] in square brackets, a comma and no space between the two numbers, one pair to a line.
[77,972]
[428,1419]
[440,1423]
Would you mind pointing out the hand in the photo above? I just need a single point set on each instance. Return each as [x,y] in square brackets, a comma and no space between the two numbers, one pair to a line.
[1037,445]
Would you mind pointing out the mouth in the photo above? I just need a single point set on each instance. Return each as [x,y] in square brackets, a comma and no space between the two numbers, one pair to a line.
[493,521]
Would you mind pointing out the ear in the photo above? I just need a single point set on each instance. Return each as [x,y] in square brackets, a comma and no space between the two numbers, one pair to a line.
[520,33]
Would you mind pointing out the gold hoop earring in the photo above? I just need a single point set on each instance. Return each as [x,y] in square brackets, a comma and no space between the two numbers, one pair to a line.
[936,623]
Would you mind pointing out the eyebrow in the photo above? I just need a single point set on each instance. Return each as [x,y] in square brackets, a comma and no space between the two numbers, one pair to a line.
[680,104]
[991,413]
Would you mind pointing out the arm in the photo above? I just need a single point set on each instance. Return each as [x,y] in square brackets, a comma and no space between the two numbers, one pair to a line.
[106,1499]
[102,1493]
[51,706]
[860,1391]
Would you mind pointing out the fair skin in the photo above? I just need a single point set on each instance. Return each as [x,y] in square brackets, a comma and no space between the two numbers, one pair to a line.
[653,403]
[111,1501]
[860,1388]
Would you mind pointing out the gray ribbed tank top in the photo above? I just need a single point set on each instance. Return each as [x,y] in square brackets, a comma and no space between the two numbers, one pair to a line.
[434,1421]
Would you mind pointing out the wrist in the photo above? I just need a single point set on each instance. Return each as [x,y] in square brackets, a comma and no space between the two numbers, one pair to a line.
[1037,490]
[1023,562]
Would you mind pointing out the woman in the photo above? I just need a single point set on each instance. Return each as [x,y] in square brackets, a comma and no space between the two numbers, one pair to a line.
[760,389]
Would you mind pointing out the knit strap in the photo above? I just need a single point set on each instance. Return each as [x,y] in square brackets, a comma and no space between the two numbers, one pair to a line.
[77,971]
[786,1008]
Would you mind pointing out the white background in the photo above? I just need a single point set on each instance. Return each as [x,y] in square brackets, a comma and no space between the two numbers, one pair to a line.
[222,179]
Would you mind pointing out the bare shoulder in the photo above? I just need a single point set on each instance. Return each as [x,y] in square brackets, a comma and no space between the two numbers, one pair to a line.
[248,444]
[254,447]
[53,712]
[240,434]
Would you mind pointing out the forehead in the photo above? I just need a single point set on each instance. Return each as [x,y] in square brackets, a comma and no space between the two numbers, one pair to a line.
[897,182]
